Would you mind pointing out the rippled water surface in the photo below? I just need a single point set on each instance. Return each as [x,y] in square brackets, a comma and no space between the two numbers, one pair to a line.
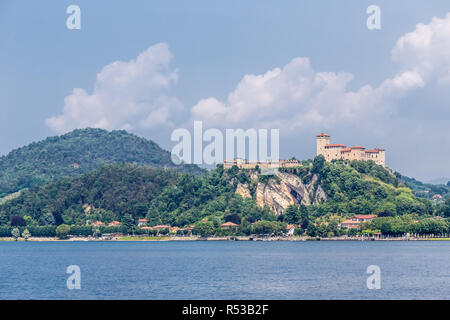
[225,270]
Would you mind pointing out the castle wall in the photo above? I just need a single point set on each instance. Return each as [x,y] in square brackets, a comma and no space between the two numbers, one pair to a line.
[244,164]
[323,147]
[336,151]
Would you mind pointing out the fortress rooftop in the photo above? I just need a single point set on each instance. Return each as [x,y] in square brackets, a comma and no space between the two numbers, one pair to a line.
[335,145]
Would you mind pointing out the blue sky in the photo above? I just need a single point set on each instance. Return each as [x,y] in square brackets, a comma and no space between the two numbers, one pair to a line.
[212,46]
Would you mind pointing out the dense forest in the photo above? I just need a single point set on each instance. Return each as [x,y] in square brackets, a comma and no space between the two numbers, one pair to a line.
[94,175]
[362,187]
[76,153]
[127,192]
[124,191]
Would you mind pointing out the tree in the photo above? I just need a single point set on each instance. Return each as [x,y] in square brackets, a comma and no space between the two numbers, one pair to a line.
[18,221]
[386,227]
[311,230]
[46,218]
[164,231]
[128,223]
[322,230]
[26,234]
[292,214]
[268,227]
[30,221]
[318,164]
[388,209]
[204,229]
[446,209]
[15,233]
[333,226]
[235,218]
[62,231]
[406,203]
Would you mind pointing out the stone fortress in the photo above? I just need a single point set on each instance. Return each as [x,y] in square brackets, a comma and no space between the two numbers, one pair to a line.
[341,152]
[329,151]
[245,164]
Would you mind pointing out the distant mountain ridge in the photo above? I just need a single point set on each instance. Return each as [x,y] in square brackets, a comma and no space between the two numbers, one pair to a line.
[445,181]
[426,190]
[76,153]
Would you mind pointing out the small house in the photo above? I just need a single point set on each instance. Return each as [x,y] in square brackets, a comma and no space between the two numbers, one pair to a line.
[290,229]
[229,225]
[141,222]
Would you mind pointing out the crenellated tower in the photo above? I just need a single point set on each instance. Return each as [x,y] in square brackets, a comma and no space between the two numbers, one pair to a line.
[322,140]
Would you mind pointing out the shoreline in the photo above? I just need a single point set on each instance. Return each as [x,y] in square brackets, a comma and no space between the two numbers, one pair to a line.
[198,238]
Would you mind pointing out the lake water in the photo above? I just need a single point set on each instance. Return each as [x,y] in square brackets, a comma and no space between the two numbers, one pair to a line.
[225,270]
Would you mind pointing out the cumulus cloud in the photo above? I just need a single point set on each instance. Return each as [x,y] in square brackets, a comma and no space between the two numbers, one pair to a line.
[297,96]
[126,95]
[426,49]
[406,110]
[301,97]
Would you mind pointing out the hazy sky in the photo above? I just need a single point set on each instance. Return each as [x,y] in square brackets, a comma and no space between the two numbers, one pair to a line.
[301,66]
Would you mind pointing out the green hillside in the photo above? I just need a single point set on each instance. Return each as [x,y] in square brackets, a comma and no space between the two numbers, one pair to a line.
[76,153]
[362,187]
[127,192]
[124,191]
[426,190]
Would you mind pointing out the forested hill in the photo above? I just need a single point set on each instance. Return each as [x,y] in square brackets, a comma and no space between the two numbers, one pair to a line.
[426,190]
[127,192]
[121,188]
[76,153]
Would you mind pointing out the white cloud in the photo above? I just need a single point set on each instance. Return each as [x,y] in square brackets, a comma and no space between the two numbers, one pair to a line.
[407,112]
[126,95]
[136,95]
[426,49]
[297,96]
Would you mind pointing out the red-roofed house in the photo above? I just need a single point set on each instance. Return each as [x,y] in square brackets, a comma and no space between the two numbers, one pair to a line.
[363,217]
[229,225]
[141,222]
[350,224]
[161,227]
[290,228]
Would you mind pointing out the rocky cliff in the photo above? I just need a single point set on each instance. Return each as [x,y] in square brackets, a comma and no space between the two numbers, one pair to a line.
[282,190]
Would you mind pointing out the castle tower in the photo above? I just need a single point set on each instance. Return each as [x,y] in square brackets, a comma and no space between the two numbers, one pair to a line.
[322,140]
[382,157]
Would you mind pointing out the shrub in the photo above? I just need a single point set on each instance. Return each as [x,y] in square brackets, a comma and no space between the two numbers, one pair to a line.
[62,231]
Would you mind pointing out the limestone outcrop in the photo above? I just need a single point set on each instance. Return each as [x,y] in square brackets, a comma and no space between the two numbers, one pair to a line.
[283,190]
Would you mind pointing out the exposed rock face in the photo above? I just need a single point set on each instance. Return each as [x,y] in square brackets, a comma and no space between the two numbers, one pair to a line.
[243,190]
[320,196]
[288,189]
